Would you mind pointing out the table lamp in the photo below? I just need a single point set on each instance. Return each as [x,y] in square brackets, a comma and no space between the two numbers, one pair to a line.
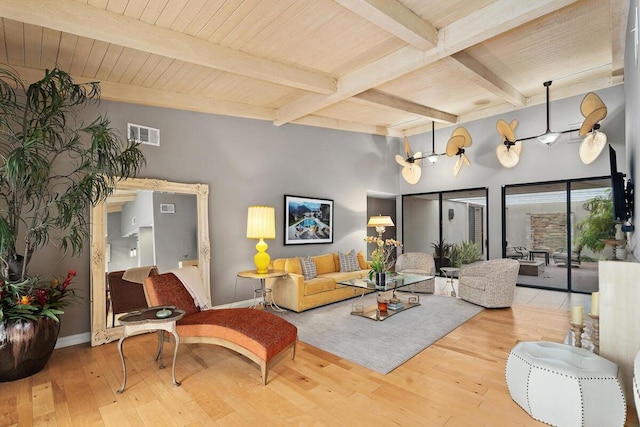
[380,222]
[261,224]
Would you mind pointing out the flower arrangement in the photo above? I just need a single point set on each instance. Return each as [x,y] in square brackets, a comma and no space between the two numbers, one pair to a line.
[32,298]
[381,257]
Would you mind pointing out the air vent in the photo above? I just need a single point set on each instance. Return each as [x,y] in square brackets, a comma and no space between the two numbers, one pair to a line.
[143,134]
[167,208]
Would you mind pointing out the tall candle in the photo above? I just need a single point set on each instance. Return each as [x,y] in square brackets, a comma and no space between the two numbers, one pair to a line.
[576,315]
[595,303]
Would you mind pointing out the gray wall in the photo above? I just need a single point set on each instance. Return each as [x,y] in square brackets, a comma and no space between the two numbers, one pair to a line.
[632,92]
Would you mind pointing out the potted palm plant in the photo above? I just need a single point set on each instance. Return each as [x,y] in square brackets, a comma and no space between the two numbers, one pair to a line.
[53,167]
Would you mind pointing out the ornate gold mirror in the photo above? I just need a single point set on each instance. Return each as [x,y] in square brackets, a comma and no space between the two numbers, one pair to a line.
[162,199]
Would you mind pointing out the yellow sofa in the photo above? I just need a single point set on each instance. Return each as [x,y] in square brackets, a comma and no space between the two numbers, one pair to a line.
[295,293]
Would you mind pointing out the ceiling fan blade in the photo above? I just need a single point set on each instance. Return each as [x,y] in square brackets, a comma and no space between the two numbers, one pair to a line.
[591,146]
[407,147]
[465,159]
[514,124]
[412,174]
[457,166]
[505,131]
[590,103]
[417,157]
[455,142]
[401,160]
[507,157]
[462,131]
[592,119]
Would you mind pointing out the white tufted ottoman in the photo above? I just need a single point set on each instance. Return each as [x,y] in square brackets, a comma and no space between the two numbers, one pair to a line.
[563,385]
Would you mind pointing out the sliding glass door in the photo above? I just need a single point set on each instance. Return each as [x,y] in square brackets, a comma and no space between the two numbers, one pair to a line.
[542,230]
[433,221]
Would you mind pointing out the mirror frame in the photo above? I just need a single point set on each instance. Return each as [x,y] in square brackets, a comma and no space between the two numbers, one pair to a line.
[100,334]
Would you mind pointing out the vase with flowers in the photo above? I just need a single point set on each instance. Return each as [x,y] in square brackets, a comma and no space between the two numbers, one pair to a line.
[382,258]
[53,167]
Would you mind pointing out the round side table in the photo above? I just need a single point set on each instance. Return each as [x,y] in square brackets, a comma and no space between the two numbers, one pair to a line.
[449,274]
[261,292]
[141,321]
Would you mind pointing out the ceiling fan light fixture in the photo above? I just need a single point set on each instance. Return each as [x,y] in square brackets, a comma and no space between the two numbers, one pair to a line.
[549,137]
[433,158]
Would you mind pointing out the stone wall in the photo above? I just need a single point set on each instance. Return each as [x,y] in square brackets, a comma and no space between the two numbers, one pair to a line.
[546,231]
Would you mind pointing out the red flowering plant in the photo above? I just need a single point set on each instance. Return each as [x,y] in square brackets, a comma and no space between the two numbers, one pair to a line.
[33,298]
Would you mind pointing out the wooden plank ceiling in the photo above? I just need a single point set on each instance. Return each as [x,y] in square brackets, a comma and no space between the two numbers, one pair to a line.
[387,67]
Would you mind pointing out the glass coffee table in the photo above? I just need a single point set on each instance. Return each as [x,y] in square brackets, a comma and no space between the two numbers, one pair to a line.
[395,305]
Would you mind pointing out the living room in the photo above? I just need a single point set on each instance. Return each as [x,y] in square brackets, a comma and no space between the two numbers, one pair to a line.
[252,162]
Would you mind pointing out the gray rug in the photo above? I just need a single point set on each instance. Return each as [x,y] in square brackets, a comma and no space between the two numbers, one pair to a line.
[381,346]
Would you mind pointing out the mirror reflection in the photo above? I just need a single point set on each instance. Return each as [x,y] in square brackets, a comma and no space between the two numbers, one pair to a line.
[146,227]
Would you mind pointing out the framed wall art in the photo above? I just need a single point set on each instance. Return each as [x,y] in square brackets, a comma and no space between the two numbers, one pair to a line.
[307,220]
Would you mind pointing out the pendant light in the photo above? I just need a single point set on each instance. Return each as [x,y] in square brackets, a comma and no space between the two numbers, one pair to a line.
[433,157]
[548,137]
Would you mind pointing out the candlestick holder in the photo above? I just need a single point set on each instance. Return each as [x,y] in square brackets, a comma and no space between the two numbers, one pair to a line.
[595,332]
[577,334]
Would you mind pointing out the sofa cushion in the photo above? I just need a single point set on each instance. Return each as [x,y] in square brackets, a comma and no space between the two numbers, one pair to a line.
[318,285]
[362,260]
[309,270]
[324,264]
[292,265]
[341,276]
[348,261]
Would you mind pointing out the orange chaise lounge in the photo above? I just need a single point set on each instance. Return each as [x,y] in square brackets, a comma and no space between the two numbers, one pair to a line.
[261,336]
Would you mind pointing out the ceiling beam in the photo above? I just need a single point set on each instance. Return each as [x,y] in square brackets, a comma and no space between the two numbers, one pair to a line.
[393,17]
[73,17]
[486,79]
[333,123]
[377,97]
[496,18]
[159,98]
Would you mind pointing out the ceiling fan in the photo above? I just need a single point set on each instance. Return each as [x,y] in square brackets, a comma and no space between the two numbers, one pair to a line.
[593,110]
[460,139]
[509,152]
[547,138]
[411,171]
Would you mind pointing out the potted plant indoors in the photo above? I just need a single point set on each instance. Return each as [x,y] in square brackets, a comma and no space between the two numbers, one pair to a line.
[441,253]
[382,258]
[465,252]
[53,167]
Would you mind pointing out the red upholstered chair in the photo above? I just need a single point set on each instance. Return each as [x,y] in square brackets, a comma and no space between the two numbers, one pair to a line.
[260,336]
[124,295]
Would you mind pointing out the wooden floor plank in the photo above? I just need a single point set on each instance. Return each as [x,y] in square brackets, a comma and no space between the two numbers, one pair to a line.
[457,381]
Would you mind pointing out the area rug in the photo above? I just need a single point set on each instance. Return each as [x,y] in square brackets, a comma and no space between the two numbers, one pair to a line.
[381,346]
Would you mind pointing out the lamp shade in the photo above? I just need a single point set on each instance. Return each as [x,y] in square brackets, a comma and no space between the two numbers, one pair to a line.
[380,221]
[261,222]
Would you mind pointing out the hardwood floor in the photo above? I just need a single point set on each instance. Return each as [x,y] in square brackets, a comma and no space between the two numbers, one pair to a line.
[458,381]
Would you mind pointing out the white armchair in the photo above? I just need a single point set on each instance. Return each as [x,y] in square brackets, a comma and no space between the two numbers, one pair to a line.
[490,284]
[418,263]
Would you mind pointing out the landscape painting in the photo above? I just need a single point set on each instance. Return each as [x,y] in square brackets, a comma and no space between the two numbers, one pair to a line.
[307,220]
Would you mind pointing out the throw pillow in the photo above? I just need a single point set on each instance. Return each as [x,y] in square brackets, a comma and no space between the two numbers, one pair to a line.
[362,261]
[308,268]
[349,261]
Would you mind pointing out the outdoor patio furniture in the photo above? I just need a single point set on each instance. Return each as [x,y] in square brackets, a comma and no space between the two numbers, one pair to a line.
[517,252]
[560,255]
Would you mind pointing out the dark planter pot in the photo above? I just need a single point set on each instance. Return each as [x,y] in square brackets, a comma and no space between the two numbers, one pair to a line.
[25,347]
[381,279]
[441,262]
